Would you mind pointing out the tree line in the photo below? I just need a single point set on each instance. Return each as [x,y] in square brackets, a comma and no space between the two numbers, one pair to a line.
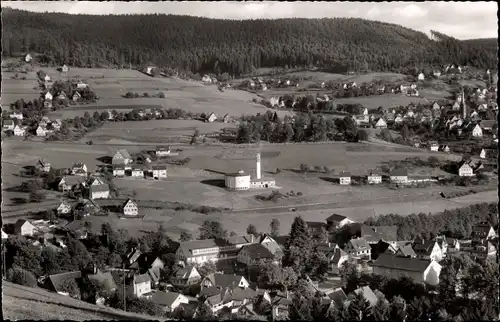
[204,45]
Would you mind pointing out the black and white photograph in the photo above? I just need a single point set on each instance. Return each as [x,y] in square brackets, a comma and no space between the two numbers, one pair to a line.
[249,161]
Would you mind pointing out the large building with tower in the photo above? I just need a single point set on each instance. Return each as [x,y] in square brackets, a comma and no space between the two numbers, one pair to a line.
[242,181]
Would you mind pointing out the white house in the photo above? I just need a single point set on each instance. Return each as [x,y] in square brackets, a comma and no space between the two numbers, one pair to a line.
[41,131]
[436,106]
[76,96]
[79,168]
[421,77]
[64,208]
[16,115]
[185,276]
[48,96]
[8,125]
[62,95]
[47,79]
[43,166]
[99,191]
[130,208]
[465,170]
[28,58]
[206,79]
[19,131]
[118,170]
[345,178]
[381,124]
[97,182]
[358,247]
[399,175]
[162,151]
[398,119]
[159,171]
[429,250]
[137,172]
[477,131]
[420,270]
[24,228]
[433,146]
[65,69]
[122,157]
[338,221]
[141,285]
[168,301]
[374,178]
[211,118]
[81,85]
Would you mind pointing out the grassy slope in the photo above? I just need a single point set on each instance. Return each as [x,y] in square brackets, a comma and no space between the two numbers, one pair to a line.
[25,303]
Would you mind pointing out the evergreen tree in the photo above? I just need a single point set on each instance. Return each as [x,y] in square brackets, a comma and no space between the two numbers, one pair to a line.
[298,247]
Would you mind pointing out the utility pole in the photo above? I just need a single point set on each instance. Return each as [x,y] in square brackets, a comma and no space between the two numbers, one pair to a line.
[124,296]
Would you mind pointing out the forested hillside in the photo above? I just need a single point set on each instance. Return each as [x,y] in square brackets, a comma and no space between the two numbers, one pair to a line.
[209,45]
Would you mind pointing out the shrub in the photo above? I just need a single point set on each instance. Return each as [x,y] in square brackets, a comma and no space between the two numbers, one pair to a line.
[22,277]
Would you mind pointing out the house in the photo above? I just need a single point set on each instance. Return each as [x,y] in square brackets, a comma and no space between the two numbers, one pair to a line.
[106,282]
[141,285]
[488,125]
[338,221]
[47,104]
[162,151]
[406,251]
[398,119]
[57,282]
[428,250]
[69,183]
[99,191]
[64,208]
[159,171]
[358,247]
[201,251]
[444,148]
[483,231]
[16,115]
[62,95]
[433,146]
[79,169]
[118,170]
[336,258]
[271,244]
[456,106]
[420,270]
[436,106]
[453,245]
[168,301]
[64,69]
[121,157]
[130,208]
[465,170]
[4,235]
[477,131]
[19,131]
[206,79]
[374,178]
[280,305]
[81,85]
[41,131]
[8,125]
[253,254]
[185,276]
[28,58]
[56,124]
[399,175]
[24,228]
[48,96]
[223,281]
[43,166]
[137,171]
[381,124]
[77,96]
[436,73]
[367,294]
[345,178]
[409,114]
[226,118]
[211,118]
[421,77]
[96,181]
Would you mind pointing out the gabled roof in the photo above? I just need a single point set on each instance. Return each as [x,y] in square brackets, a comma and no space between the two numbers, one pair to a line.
[224,280]
[124,153]
[401,263]
[337,255]
[20,222]
[129,200]
[359,244]
[184,272]
[336,217]
[72,180]
[425,247]
[143,278]
[345,174]
[407,250]
[99,188]
[165,298]
[367,294]
[338,296]
[257,252]
[105,279]
[58,280]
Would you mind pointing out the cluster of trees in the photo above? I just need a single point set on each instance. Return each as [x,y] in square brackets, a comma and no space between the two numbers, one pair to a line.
[145,94]
[70,88]
[453,223]
[305,127]
[202,45]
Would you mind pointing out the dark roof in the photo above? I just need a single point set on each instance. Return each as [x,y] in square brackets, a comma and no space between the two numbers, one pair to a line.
[20,222]
[99,188]
[407,251]
[425,247]
[257,251]
[488,123]
[143,278]
[159,167]
[359,244]
[399,172]
[335,217]
[344,174]
[367,294]
[338,296]
[105,279]
[58,280]
[224,280]
[126,201]
[401,263]
[165,298]
[73,180]
[184,272]
[326,247]
[124,154]
[118,166]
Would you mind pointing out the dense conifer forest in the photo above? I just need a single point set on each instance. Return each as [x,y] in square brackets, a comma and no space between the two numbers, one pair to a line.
[208,45]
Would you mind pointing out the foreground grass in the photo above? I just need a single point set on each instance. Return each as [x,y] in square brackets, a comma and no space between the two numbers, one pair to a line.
[25,303]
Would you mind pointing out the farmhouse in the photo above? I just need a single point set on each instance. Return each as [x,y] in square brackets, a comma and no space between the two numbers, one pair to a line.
[436,106]
[381,124]
[64,69]
[465,170]
[79,169]
[201,251]
[345,178]
[121,157]
[64,208]
[211,118]
[69,183]
[358,247]
[130,208]
[57,282]
[76,96]
[24,228]
[43,166]
[162,151]
[433,146]
[428,250]
[137,171]
[168,301]
[477,131]
[483,231]
[99,191]
[8,125]
[420,270]
[374,178]
[159,171]
[338,221]
[399,175]
[41,131]
[185,276]
[118,170]
[254,254]
[48,96]
[141,285]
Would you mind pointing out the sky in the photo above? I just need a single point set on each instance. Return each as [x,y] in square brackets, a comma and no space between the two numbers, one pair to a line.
[462,20]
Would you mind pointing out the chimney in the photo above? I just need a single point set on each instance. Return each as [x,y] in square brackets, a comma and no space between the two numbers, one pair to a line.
[257,170]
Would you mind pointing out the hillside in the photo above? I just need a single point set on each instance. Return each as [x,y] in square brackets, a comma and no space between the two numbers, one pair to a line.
[25,303]
[235,47]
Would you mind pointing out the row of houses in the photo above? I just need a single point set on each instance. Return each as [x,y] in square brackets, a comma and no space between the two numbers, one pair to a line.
[397,175]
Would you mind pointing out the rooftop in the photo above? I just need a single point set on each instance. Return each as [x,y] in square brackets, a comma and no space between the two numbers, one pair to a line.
[401,263]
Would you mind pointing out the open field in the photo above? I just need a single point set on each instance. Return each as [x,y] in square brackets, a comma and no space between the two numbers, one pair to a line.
[25,303]
[15,89]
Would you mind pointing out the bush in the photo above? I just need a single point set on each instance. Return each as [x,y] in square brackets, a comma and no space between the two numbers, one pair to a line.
[22,277]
